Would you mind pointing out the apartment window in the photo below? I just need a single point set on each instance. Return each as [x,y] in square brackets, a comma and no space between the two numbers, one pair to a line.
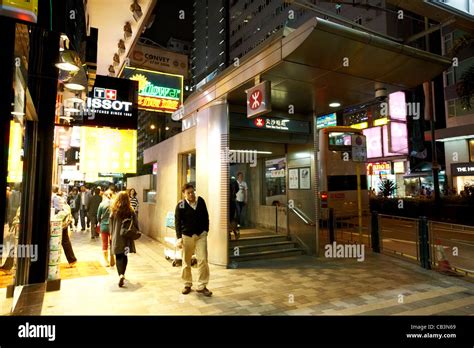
[471,150]
[455,108]
[448,43]
[450,78]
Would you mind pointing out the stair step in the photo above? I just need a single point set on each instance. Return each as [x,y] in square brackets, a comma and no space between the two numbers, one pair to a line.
[257,240]
[244,249]
[267,254]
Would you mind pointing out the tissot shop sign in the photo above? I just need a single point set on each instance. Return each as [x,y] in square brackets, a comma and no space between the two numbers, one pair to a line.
[112,103]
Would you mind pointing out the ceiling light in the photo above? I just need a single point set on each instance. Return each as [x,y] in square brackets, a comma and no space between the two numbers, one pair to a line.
[167,128]
[78,82]
[116,59]
[335,105]
[75,100]
[127,31]
[152,126]
[137,10]
[68,61]
[72,109]
[121,46]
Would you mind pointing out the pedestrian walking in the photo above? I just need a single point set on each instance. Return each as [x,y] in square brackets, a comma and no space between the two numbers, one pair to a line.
[192,227]
[94,203]
[134,200]
[120,210]
[85,199]
[103,217]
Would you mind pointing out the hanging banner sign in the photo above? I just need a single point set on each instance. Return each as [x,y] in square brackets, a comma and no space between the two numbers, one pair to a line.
[112,103]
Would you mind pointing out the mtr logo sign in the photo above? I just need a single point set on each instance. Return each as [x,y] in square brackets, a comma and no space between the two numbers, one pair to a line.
[103,93]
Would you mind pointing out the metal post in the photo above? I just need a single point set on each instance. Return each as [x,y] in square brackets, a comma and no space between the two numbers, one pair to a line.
[331,225]
[375,232]
[317,202]
[276,218]
[359,201]
[424,242]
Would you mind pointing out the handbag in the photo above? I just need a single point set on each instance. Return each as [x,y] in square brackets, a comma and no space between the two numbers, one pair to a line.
[129,229]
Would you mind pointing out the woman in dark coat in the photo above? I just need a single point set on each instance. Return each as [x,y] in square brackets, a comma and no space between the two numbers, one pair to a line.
[121,209]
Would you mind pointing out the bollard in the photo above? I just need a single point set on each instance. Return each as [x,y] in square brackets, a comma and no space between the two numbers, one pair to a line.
[424,245]
[375,233]
[331,225]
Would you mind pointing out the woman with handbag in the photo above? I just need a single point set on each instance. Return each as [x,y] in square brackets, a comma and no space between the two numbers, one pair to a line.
[123,227]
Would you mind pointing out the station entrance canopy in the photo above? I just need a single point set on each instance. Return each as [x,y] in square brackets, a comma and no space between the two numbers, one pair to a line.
[318,63]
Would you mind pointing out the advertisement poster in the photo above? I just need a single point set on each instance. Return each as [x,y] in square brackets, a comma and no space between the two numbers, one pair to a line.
[293,180]
[305,178]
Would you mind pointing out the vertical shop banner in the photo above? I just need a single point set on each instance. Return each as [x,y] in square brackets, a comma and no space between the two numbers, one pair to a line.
[113,103]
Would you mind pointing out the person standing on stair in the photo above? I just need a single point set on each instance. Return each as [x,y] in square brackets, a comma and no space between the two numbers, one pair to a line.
[192,226]
[241,198]
[103,216]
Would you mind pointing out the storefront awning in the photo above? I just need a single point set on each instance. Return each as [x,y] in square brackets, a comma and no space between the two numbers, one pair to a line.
[321,62]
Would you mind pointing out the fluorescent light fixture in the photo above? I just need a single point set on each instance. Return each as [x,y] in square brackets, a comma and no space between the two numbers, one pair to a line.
[380,122]
[335,105]
[18,113]
[462,137]
[361,125]
[245,151]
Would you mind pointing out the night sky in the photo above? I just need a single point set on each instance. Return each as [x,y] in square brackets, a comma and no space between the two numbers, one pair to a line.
[167,22]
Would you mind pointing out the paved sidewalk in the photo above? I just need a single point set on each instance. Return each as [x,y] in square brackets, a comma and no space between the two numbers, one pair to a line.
[381,285]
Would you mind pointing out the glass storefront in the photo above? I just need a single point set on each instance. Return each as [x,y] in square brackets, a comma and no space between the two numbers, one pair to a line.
[18,117]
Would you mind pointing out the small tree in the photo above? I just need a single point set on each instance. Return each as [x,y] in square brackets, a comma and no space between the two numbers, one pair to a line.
[387,188]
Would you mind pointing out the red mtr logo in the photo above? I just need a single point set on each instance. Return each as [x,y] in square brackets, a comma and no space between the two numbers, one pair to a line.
[259,122]
[255,99]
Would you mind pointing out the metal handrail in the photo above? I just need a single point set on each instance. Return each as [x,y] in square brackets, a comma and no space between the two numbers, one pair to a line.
[302,216]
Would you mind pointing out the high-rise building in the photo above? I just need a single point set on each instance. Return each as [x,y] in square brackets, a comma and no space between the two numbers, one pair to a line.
[226,30]
[210,52]
[458,136]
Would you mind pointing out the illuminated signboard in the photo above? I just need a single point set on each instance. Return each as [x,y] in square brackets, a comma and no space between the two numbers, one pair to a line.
[112,102]
[106,150]
[24,10]
[329,120]
[259,99]
[379,168]
[157,91]
[374,142]
[15,153]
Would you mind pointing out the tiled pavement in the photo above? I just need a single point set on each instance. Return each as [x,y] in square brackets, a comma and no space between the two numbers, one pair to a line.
[381,285]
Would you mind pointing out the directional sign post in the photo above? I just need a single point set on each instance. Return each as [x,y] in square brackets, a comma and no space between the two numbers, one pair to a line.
[259,99]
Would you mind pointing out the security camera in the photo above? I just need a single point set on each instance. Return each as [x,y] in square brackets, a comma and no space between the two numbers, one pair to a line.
[381,93]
